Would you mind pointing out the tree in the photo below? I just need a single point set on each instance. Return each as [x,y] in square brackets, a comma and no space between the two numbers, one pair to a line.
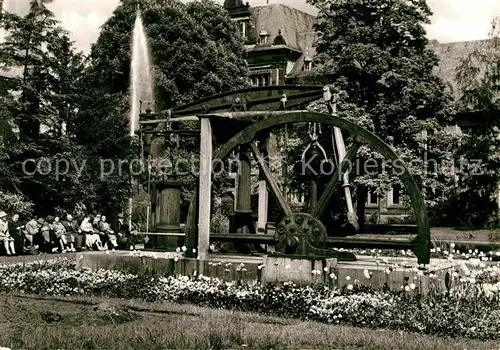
[478,77]
[195,50]
[37,108]
[376,55]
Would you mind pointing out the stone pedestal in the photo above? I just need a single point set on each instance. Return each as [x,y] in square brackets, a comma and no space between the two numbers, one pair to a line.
[297,270]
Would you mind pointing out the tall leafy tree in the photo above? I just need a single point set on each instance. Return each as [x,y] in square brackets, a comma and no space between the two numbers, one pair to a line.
[376,55]
[474,201]
[196,51]
[38,106]
[195,48]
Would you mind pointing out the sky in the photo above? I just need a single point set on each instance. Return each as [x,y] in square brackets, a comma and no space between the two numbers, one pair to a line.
[453,20]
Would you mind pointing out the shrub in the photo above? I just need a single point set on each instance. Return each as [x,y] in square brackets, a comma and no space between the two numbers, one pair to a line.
[471,309]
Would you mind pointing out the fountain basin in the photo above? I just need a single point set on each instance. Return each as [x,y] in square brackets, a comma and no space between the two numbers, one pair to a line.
[395,273]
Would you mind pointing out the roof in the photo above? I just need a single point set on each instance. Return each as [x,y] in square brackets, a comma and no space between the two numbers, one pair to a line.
[267,47]
[296,27]
[450,56]
[11,72]
[231,3]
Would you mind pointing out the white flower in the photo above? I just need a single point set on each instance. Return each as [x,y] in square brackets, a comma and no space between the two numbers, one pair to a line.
[407,288]
[465,269]
[176,259]
[412,286]
[366,274]
[348,278]
[349,286]
[194,251]
[184,249]
[332,276]
[325,269]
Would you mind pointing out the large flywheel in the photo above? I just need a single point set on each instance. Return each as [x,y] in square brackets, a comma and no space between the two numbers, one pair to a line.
[305,233]
[244,131]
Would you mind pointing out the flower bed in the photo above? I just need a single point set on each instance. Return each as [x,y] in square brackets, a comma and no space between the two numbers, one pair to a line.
[436,253]
[471,309]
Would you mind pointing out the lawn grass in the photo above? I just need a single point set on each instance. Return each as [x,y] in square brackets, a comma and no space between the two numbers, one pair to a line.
[29,322]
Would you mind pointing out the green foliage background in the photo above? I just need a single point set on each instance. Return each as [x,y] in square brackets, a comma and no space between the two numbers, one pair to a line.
[83,102]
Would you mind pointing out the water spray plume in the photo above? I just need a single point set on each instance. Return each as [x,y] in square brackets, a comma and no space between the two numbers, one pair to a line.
[141,80]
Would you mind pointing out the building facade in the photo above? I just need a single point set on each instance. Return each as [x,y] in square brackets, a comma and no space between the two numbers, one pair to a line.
[280,47]
[278,39]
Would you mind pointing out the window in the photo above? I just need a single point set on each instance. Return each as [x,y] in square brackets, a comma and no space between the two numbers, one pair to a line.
[372,197]
[261,80]
[265,80]
[307,65]
[396,195]
[466,130]
[431,165]
[433,193]
[243,30]
[438,193]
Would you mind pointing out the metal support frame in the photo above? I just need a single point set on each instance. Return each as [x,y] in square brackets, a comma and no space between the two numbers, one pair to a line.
[352,219]
[264,121]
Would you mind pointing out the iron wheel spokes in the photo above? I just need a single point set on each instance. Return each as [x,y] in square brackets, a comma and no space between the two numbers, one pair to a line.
[270,180]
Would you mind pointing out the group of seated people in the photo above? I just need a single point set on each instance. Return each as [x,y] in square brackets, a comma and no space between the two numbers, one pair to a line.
[53,235]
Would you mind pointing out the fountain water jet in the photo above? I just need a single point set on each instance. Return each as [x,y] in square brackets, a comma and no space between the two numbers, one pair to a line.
[141,80]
